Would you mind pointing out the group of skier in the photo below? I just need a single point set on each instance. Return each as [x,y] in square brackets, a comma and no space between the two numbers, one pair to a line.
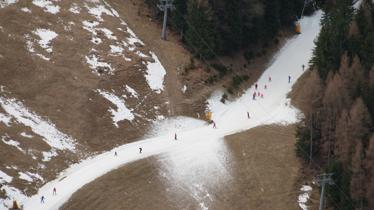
[255,94]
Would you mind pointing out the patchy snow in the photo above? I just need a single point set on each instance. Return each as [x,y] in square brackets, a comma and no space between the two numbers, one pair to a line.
[52,136]
[116,50]
[155,74]
[304,196]
[98,11]
[5,119]
[75,9]
[95,64]
[25,177]
[108,33]
[46,36]
[24,134]
[47,6]
[230,118]
[90,26]
[184,88]
[5,178]
[30,177]
[13,143]
[121,112]
[47,156]
[131,91]
[5,3]
[11,193]
[25,9]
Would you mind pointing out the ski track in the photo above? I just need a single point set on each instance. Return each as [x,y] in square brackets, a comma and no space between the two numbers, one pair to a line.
[230,118]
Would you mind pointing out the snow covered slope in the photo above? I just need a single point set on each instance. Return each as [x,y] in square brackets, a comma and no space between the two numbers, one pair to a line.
[230,118]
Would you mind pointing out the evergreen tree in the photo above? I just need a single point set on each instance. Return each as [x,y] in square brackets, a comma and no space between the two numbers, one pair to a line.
[178,18]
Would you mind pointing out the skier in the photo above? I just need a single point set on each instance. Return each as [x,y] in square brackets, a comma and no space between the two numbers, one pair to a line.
[303,66]
[54,191]
[175,136]
[289,79]
[42,199]
[262,95]
[269,79]
[248,115]
[254,96]
[265,87]
[256,85]
[115,153]
[258,94]
[140,150]
[214,125]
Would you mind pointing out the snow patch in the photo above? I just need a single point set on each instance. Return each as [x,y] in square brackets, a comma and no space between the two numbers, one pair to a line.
[24,134]
[51,135]
[184,88]
[47,6]
[116,50]
[12,143]
[46,36]
[155,74]
[108,33]
[121,112]
[304,196]
[75,9]
[98,11]
[30,177]
[5,3]
[5,119]
[96,65]
[5,178]
[25,9]
[131,91]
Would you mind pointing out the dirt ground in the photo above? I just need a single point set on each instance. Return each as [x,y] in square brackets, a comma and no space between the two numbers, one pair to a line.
[263,172]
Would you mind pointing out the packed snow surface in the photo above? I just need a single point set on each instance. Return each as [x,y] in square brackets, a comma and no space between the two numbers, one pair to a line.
[230,118]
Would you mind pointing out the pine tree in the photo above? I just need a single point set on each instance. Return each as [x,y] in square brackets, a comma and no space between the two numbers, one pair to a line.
[178,18]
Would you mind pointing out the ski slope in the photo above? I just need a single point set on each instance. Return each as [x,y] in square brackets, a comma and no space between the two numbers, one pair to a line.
[230,118]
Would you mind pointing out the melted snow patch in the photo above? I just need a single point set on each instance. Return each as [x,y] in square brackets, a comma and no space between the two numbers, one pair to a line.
[90,26]
[30,177]
[13,143]
[131,91]
[184,88]
[5,119]
[46,36]
[5,3]
[38,125]
[155,74]
[98,11]
[108,33]
[47,6]
[47,156]
[116,50]
[75,9]
[304,196]
[95,64]
[5,178]
[25,9]
[24,134]
[121,112]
